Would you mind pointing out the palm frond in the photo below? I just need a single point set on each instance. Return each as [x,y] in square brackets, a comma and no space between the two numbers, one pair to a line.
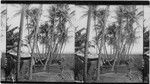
[3,12]
[84,15]
[81,6]
[18,12]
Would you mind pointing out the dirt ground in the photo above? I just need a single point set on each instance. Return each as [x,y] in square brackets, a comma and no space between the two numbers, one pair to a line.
[64,76]
[53,72]
[120,75]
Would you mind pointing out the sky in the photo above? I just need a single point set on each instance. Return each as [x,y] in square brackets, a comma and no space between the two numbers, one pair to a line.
[77,21]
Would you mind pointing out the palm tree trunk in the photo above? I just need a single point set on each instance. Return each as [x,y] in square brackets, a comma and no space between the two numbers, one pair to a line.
[116,56]
[120,50]
[6,34]
[99,60]
[6,15]
[43,50]
[46,48]
[19,43]
[86,43]
[48,56]
[27,18]
[38,51]
[63,47]
[106,53]
[35,40]
[51,51]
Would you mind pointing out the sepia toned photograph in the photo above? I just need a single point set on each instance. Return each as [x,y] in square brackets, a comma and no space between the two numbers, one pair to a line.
[82,43]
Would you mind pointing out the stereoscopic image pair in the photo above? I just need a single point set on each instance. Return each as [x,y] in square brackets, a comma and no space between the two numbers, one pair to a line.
[75,43]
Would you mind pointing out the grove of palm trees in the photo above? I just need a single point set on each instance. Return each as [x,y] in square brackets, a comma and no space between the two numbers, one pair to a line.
[75,43]
[113,43]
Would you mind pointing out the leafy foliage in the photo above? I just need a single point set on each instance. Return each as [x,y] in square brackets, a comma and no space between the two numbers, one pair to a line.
[11,38]
[146,38]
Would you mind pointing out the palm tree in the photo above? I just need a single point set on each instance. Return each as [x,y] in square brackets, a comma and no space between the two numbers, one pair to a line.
[99,16]
[35,39]
[19,43]
[125,34]
[102,22]
[4,16]
[100,37]
[118,33]
[87,40]
[32,17]
[56,32]
[94,14]
[111,37]
[29,14]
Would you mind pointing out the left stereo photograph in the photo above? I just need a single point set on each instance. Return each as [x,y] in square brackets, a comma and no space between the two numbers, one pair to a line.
[38,42]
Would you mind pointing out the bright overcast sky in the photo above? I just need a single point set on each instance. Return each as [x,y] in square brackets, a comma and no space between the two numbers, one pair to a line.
[76,21]
[14,21]
[138,46]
